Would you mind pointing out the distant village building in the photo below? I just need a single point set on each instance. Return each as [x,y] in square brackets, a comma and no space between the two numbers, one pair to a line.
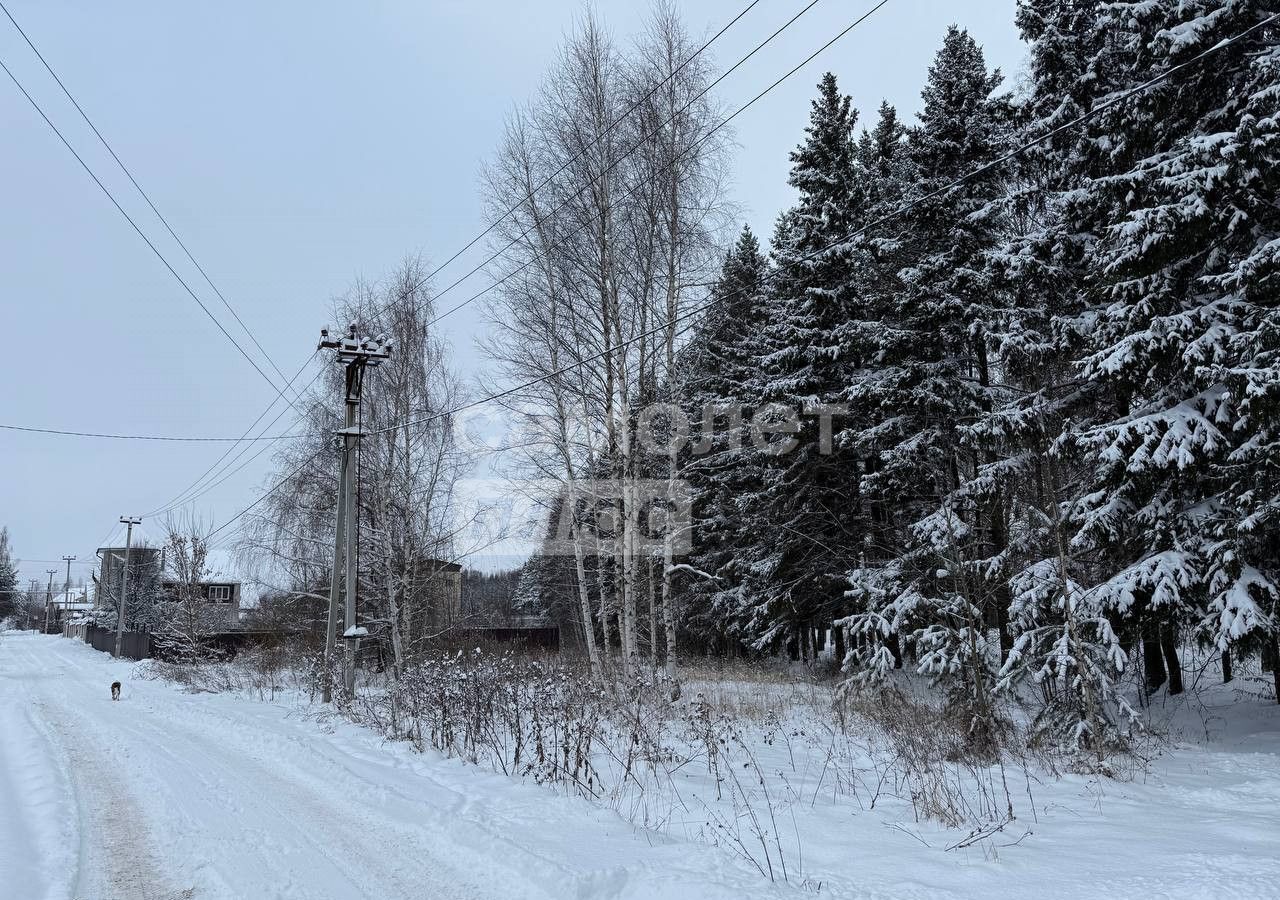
[220,598]
[444,588]
[66,606]
[219,601]
[144,574]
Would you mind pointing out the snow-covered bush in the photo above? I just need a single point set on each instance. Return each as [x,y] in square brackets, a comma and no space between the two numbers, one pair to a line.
[548,721]
[924,750]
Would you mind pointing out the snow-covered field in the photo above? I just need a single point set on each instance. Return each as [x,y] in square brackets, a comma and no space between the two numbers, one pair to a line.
[174,794]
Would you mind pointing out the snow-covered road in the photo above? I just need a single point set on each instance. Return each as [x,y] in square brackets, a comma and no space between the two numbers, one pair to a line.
[167,795]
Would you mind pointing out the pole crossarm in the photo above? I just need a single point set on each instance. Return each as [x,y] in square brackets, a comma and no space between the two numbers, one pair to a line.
[351,348]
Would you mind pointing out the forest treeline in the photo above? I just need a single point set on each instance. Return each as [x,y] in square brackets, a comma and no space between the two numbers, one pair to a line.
[1047,349]
[995,402]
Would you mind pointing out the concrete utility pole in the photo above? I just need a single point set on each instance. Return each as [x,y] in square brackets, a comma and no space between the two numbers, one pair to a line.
[356,354]
[128,521]
[48,599]
[66,590]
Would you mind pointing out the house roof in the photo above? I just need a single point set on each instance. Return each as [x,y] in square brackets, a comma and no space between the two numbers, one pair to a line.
[136,548]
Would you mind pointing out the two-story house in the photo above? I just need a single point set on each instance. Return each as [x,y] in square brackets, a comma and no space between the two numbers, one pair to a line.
[219,601]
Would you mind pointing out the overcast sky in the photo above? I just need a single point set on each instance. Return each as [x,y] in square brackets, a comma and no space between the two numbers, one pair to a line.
[295,147]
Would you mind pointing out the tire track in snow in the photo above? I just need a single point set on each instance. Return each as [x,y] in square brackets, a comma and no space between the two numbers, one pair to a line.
[278,817]
[215,805]
[41,847]
[118,861]
[242,803]
[114,855]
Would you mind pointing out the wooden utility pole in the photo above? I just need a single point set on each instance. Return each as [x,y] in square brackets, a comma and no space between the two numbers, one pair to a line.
[48,599]
[128,521]
[355,354]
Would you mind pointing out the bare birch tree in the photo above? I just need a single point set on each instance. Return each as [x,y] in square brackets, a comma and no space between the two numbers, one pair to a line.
[606,195]
[186,620]
[409,469]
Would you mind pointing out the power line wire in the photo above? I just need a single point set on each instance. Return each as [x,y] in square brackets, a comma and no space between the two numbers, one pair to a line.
[226,472]
[932,195]
[186,250]
[185,496]
[145,195]
[631,192]
[141,233]
[81,562]
[636,146]
[139,437]
[213,484]
[479,237]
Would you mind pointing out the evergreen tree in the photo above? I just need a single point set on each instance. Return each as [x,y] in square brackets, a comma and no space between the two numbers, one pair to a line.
[804,522]
[1063,640]
[717,376]
[1181,509]
[722,356]
[935,582]
[9,593]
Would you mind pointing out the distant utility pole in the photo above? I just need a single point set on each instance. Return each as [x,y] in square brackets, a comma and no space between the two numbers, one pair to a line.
[128,521]
[33,585]
[48,599]
[356,354]
[66,590]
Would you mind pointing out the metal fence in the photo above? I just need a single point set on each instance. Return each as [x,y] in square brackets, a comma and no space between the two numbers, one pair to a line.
[134,645]
[523,638]
[78,631]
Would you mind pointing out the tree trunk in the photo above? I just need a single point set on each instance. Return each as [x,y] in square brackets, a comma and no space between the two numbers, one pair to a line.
[652,586]
[895,648]
[1226,666]
[630,520]
[1169,646]
[606,645]
[1274,646]
[1152,660]
[584,598]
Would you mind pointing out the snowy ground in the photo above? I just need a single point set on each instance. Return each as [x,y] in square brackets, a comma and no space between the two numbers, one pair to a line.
[171,794]
[1200,820]
[168,795]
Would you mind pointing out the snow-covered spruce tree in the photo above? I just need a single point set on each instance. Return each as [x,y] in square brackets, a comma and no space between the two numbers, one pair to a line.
[888,177]
[934,588]
[1066,645]
[1062,641]
[9,592]
[716,373]
[804,521]
[1181,506]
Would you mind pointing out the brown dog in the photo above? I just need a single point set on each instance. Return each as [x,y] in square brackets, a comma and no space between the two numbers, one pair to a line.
[115,690]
